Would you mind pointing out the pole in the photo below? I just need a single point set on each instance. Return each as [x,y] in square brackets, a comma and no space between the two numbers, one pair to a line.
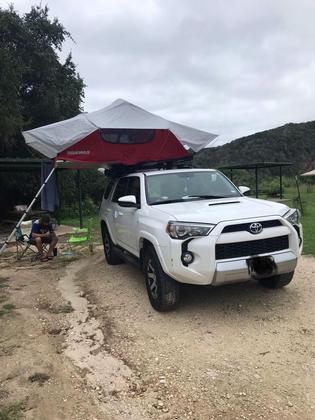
[26,211]
[80,197]
[299,194]
[280,176]
[256,180]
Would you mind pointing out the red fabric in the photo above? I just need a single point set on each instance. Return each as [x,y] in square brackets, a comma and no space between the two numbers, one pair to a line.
[93,148]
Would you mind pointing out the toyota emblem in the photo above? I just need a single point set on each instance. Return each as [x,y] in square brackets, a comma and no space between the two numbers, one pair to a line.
[255,228]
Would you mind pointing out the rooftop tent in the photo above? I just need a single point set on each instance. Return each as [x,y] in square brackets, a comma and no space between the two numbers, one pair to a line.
[119,133]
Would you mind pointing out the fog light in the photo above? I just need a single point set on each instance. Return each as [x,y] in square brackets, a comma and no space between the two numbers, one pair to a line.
[187,257]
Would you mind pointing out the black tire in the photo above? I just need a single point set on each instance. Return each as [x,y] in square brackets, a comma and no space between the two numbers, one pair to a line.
[109,248]
[163,291]
[276,282]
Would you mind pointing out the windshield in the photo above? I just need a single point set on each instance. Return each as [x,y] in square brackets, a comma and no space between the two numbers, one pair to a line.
[188,186]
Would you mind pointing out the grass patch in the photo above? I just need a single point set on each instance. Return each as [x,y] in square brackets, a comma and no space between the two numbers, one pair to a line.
[8,306]
[11,411]
[74,221]
[39,377]
[6,309]
[308,218]
[3,282]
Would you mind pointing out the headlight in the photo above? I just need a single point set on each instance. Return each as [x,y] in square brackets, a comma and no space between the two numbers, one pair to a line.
[293,216]
[184,230]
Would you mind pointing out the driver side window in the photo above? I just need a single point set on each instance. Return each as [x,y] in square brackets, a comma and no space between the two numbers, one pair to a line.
[133,187]
[127,186]
[120,189]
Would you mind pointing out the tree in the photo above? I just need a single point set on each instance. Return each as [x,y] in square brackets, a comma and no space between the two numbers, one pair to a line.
[35,87]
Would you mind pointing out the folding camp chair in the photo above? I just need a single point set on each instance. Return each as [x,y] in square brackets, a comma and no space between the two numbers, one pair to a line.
[24,243]
[80,236]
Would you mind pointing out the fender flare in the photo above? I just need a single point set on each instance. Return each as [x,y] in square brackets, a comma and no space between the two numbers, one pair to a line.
[153,241]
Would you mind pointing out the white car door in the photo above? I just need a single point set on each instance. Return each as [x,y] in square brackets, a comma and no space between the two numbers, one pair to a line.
[117,213]
[132,216]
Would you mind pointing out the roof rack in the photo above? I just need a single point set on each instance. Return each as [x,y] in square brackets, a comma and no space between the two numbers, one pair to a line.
[118,170]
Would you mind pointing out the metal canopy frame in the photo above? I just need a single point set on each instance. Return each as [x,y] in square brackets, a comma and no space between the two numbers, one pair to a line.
[29,164]
[256,166]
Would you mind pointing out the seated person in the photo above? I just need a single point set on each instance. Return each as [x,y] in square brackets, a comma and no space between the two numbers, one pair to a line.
[43,232]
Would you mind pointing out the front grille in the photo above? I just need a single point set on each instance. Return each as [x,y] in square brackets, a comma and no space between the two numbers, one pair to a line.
[245,226]
[249,248]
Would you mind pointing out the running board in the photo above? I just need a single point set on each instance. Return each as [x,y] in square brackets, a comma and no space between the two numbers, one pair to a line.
[128,257]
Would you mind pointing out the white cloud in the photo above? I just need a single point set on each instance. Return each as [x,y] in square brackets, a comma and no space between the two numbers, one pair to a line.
[232,67]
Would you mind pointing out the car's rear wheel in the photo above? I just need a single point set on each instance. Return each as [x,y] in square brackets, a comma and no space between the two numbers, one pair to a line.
[163,291]
[276,282]
[109,248]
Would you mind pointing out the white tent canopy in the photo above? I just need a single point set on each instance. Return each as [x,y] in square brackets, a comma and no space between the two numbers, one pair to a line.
[54,138]
[310,173]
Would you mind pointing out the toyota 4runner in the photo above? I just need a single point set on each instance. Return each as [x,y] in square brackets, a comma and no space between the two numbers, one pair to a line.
[195,226]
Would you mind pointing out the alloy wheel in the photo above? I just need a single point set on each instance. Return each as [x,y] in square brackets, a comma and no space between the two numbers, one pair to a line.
[152,280]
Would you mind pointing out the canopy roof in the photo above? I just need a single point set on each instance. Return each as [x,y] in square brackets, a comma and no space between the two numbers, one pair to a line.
[310,173]
[119,133]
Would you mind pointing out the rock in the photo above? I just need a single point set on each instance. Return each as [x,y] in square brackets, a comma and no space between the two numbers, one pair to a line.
[290,404]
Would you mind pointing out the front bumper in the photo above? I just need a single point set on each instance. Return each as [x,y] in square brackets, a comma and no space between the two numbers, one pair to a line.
[228,272]
[207,270]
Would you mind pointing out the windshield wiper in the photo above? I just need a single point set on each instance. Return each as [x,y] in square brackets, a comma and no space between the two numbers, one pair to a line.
[207,196]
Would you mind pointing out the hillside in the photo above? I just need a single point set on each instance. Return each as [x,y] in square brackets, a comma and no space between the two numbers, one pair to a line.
[289,143]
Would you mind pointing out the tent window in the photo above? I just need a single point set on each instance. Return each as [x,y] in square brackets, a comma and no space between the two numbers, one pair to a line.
[127,136]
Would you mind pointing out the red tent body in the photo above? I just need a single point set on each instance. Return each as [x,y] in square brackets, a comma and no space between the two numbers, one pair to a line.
[101,146]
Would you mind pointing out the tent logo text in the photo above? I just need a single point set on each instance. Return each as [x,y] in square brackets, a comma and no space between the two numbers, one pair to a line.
[78,152]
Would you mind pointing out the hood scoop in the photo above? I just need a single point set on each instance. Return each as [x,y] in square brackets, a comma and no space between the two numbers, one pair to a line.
[223,202]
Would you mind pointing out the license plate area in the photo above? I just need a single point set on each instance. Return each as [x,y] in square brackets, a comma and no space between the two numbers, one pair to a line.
[261,267]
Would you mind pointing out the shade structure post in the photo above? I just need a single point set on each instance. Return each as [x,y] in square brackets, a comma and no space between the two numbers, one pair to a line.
[256,180]
[280,179]
[26,211]
[80,197]
[299,193]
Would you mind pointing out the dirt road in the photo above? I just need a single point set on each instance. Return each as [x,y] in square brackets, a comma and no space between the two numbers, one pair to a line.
[82,342]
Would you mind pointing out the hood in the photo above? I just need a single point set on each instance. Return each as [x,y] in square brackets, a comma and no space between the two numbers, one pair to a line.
[219,210]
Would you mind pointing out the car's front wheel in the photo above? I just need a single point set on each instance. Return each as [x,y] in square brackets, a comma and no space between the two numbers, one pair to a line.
[276,282]
[163,291]
[109,248]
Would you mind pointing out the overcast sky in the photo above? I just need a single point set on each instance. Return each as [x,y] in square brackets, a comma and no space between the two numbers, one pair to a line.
[232,67]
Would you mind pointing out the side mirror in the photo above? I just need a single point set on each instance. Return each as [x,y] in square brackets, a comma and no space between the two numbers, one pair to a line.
[128,201]
[243,189]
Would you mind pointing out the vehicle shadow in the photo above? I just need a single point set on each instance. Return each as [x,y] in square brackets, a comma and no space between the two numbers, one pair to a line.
[241,298]
[249,296]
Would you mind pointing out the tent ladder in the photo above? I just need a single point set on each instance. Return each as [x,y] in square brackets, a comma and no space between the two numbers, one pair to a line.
[26,211]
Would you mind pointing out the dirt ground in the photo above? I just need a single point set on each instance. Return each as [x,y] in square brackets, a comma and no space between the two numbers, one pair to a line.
[79,340]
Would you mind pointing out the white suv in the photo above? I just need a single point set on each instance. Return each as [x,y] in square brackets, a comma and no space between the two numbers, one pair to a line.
[194,226]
